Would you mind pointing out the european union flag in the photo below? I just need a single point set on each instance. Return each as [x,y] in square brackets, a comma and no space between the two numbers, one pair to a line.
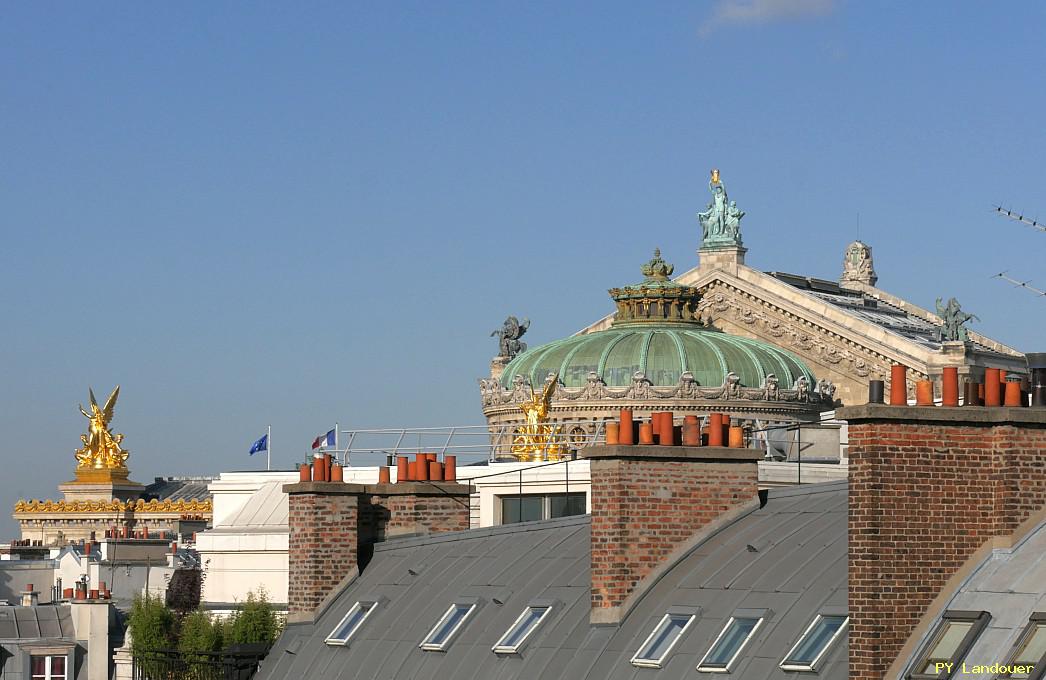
[260,445]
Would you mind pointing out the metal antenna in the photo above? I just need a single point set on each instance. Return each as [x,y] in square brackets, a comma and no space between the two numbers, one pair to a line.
[1020,218]
[1019,284]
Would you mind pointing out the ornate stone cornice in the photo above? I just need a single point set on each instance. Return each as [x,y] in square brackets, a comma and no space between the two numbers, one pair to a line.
[180,506]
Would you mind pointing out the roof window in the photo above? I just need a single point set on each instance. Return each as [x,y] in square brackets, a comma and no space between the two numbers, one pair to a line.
[350,623]
[1029,654]
[811,647]
[526,624]
[447,627]
[659,643]
[948,645]
[728,645]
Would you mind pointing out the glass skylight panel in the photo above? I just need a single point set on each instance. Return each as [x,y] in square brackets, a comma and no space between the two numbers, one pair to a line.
[1031,651]
[660,642]
[447,627]
[949,644]
[526,624]
[815,641]
[352,621]
[727,647]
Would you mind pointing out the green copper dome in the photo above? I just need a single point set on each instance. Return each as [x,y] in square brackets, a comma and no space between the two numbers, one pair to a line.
[657,331]
[661,351]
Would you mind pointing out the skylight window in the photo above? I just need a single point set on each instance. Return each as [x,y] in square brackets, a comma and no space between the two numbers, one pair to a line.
[814,643]
[948,645]
[526,624]
[351,623]
[447,627]
[660,642]
[1030,653]
[727,647]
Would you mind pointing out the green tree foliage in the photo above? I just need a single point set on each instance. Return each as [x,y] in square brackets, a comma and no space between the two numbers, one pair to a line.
[255,622]
[199,633]
[151,624]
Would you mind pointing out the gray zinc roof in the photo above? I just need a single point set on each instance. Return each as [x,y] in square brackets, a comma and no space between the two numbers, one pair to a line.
[42,622]
[788,557]
[1010,585]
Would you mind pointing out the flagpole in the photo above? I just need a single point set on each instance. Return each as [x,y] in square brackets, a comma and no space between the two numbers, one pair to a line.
[336,428]
[268,447]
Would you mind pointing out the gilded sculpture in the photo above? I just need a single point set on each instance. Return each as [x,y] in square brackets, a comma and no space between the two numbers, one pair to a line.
[101,448]
[537,439]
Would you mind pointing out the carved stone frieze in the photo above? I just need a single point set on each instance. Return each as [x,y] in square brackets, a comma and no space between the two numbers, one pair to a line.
[642,389]
[722,301]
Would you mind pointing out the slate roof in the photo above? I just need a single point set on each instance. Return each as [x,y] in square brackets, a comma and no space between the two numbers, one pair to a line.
[43,622]
[1010,585]
[179,488]
[789,557]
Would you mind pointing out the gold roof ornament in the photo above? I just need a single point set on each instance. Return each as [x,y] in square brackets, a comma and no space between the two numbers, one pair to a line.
[166,506]
[101,457]
[539,440]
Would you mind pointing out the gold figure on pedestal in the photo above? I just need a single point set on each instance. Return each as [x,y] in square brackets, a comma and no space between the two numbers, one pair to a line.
[539,440]
[101,450]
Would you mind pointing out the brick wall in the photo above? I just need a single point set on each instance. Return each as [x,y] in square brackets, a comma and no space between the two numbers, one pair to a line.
[928,487]
[647,501]
[407,509]
[333,527]
[324,540]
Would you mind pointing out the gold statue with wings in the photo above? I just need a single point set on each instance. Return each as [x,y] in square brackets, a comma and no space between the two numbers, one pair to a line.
[101,449]
[538,439]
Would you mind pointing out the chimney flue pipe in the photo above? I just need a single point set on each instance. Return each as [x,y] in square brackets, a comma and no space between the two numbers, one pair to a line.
[1037,369]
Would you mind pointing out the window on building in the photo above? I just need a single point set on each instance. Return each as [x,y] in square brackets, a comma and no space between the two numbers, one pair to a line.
[660,642]
[531,507]
[447,627]
[727,647]
[815,641]
[526,624]
[47,667]
[351,623]
[1029,655]
[947,647]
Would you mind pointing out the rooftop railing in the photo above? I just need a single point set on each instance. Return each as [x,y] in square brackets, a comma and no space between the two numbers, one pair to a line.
[470,443]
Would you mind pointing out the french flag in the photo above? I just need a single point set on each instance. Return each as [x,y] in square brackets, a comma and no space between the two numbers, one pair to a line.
[323,441]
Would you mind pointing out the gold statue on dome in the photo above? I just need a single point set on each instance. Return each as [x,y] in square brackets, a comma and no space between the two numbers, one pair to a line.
[101,449]
[538,439]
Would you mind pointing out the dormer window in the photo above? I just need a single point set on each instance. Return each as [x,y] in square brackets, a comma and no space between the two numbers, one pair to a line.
[727,647]
[350,623]
[662,639]
[441,635]
[941,656]
[815,641]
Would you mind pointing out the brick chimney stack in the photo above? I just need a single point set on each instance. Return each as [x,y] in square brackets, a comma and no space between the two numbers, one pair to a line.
[932,491]
[650,503]
[334,525]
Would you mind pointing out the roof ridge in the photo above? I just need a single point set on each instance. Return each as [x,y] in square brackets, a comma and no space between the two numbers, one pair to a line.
[482,532]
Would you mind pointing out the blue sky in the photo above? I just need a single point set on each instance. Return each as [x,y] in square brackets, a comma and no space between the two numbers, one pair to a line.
[252,213]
